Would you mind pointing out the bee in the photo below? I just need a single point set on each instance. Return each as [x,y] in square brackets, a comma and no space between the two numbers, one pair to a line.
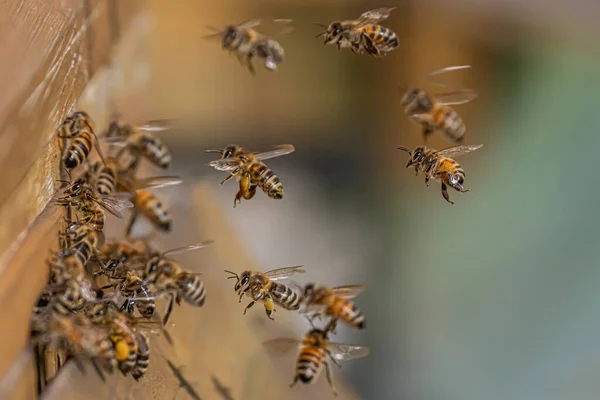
[433,112]
[123,250]
[79,128]
[147,203]
[120,333]
[264,286]
[83,241]
[440,166]
[82,338]
[362,34]
[246,43]
[103,176]
[90,203]
[143,356]
[334,302]
[315,350]
[139,142]
[250,170]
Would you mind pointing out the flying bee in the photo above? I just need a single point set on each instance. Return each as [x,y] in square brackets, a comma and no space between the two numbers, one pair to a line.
[91,204]
[264,286]
[315,350]
[362,34]
[138,141]
[440,166]
[334,302]
[246,43]
[433,112]
[79,129]
[146,203]
[250,170]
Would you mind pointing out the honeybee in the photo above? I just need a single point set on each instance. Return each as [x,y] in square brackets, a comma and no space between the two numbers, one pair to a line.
[246,43]
[335,303]
[264,286]
[362,34]
[147,203]
[81,338]
[90,203]
[103,176]
[433,112]
[440,166]
[250,170]
[315,350]
[139,142]
[123,250]
[131,285]
[79,129]
[83,241]
[121,334]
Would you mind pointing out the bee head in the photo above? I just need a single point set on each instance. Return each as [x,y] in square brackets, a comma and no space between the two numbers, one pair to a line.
[411,101]
[230,35]
[416,156]
[244,280]
[334,32]
[75,188]
[230,150]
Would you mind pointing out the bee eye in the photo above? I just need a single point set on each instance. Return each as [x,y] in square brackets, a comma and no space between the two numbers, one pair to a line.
[227,154]
[244,280]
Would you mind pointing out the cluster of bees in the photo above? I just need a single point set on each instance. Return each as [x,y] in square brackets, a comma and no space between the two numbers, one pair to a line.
[100,298]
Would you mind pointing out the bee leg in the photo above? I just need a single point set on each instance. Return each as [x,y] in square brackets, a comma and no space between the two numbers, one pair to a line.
[248,306]
[427,131]
[330,378]
[233,173]
[445,193]
[369,45]
[427,180]
[132,220]
[249,64]
[295,380]
[168,310]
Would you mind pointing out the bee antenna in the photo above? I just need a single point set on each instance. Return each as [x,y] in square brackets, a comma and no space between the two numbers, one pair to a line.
[403,149]
[214,151]
[319,24]
[234,275]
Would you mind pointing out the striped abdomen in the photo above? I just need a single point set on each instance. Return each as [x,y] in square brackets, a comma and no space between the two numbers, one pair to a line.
[448,166]
[450,122]
[79,149]
[126,347]
[83,250]
[154,150]
[266,180]
[285,296]
[191,289]
[310,362]
[153,209]
[347,311]
[383,38]
[143,356]
[107,178]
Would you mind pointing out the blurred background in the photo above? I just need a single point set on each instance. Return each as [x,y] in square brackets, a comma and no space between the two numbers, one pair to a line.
[493,297]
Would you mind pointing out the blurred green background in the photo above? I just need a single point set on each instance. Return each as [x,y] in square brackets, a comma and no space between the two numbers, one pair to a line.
[495,297]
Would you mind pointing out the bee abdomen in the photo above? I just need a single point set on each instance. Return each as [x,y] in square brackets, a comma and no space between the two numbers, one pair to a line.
[153,209]
[143,356]
[192,290]
[79,150]
[285,296]
[155,151]
[106,181]
[309,364]
[352,315]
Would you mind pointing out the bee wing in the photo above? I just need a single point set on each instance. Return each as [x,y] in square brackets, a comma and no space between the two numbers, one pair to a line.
[348,291]
[282,345]
[463,96]
[217,35]
[115,203]
[456,151]
[157,125]
[279,150]
[283,273]
[157,182]
[190,247]
[443,71]
[345,352]
[226,164]
[249,24]
[374,16]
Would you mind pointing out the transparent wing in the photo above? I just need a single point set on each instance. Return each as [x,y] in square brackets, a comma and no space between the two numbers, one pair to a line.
[443,71]
[345,352]
[374,16]
[279,150]
[157,125]
[348,291]
[282,345]
[457,97]
[456,151]
[283,273]
[286,26]
[249,24]
[114,204]
[217,35]
[191,247]
[157,182]
[226,164]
